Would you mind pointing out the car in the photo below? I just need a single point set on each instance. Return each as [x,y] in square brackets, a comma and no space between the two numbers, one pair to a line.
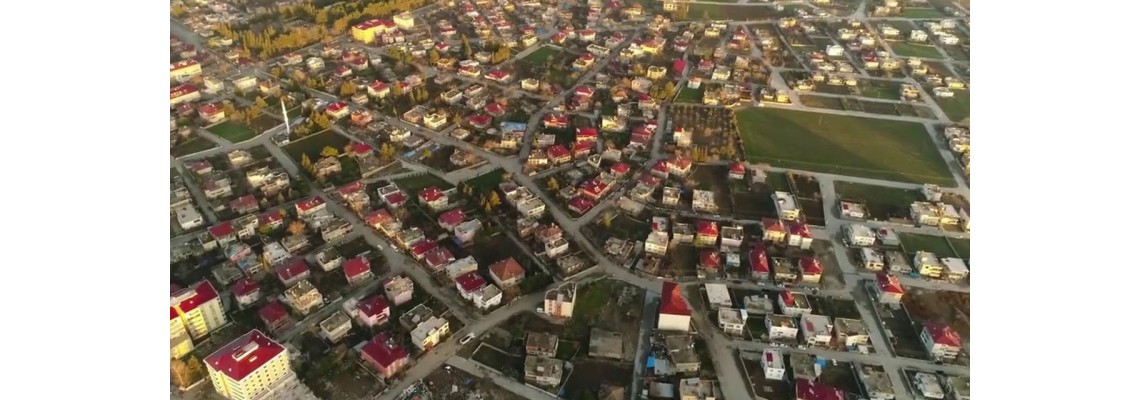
[467,338]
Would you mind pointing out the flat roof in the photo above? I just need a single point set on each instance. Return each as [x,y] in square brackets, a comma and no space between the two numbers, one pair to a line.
[728,315]
[718,294]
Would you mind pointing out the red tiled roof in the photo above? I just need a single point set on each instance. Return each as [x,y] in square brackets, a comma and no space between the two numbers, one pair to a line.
[383,351]
[498,74]
[810,266]
[378,86]
[942,334]
[650,180]
[507,269]
[479,120]
[395,199]
[706,227]
[273,311]
[209,109]
[452,217]
[620,168]
[247,201]
[356,266]
[244,287]
[309,203]
[222,229]
[661,166]
[671,301]
[373,306]
[584,146]
[787,297]
[581,204]
[889,283]
[494,108]
[439,257]
[361,148]
[800,229]
[587,133]
[182,64]
[293,269]
[557,151]
[470,281]
[377,217]
[710,258]
[340,105]
[430,194]
[772,224]
[758,258]
[812,390]
[423,246]
[737,167]
[192,297]
[269,217]
[244,355]
[182,90]
[351,188]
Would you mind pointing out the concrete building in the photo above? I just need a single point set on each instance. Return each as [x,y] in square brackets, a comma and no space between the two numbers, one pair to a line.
[794,303]
[773,363]
[559,303]
[928,386]
[786,206]
[384,355]
[605,344]
[732,320]
[674,314]
[335,327]
[858,235]
[781,327]
[429,333]
[542,371]
[888,288]
[851,332]
[817,329]
[718,295]
[197,308]
[941,341]
[399,289]
[541,344]
[252,366]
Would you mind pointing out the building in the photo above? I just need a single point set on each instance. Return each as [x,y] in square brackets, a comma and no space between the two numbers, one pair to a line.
[928,385]
[559,303]
[959,387]
[774,230]
[781,327]
[657,242]
[197,308]
[927,264]
[941,341]
[888,288]
[925,213]
[469,285]
[335,327]
[718,295]
[507,273]
[368,31]
[183,94]
[810,269]
[357,270]
[430,332]
[373,311]
[786,205]
[858,235]
[487,297]
[605,344]
[384,355]
[810,389]
[732,320]
[794,303]
[872,259]
[246,291]
[276,318]
[708,232]
[674,314]
[304,297]
[851,332]
[399,289]
[434,198]
[682,354]
[293,272]
[799,235]
[542,371]
[461,266]
[954,269]
[773,363]
[541,344]
[698,389]
[877,383]
[180,343]
[250,367]
[817,329]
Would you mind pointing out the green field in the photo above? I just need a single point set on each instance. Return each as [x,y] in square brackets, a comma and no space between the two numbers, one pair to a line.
[922,12]
[904,49]
[828,102]
[487,181]
[313,144]
[934,244]
[688,95]
[882,202]
[856,146]
[192,146]
[879,89]
[957,107]
[961,246]
[540,55]
[733,12]
[413,184]
[232,131]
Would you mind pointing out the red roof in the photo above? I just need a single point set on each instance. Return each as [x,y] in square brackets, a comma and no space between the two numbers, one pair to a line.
[584,146]
[581,204]
[244,287]
[810,266]
[378,217]
[758,258]
[479,120]
[799,229]
[708,228]
[423,247]
[889,283]
[661,166]
[395,199]
[243,202]
[269,217]
[309,203]
[494,108]
[557,151]
[737,167]
[439,257]
[507,269]
[555,119]
[378,86]
[334,107]
[787,297]
[772,224]
[584,91]
[620,168]
[587,133]
[361,148]
[383,351]
[812,390]
[183,64]
[293,269]
[272,312]
[671,301]
[942,334]
[190,298]
[351,188]
[182,90]
[452,217]
[209,109]
[430,194]
[498,74]
[244,355]
[373,306]
[650,180]
[678,65]
[470,281]
[222,229]
[710,258]
[356,266]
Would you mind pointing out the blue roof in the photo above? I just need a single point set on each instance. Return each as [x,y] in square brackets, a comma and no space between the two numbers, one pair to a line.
[649,363]
[513,126]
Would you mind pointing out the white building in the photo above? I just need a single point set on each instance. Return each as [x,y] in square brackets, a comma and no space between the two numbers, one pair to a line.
[732,320]
[335,327]
[674,314]
[252,366]
[559,303]
[461,266]
[786,205]
[718,295]
[817,329]
[657,243]
[954,269]
[835,50]
[781,327]
[399,289]
[928,385]
[430,332]
[858,235]
[188,217]
[773,363]
[488,297]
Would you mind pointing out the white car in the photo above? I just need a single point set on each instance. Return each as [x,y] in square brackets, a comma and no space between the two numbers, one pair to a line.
[467,338]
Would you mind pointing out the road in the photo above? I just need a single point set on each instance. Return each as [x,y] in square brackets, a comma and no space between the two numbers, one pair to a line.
[510,384]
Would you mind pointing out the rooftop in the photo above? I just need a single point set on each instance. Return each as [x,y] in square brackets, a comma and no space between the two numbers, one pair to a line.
[190,298]
[671,301]
[244,355]
[507,269]
[384,350]
[544,342]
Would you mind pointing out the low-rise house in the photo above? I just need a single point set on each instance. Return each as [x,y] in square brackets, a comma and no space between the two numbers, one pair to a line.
[888,288]
[542,371]
[927,386]
[276,318]
[858,235]
[541,344]
[507,273]
[708,232]
[732,320]
[817,329]
[246,291]
[433,198]
[774,230]
[698,389]
[773,363]
[293,272]
[384,355]
[872,259]
[469,284]
[954,269]
[430,332]
[794,303]
[373,311]
[399,289]
[811,270]
[681,354]
[851,332]
[877,383]
[959,387]
[786,205]
[758,263]
[335,327]
[781,327]
[925,213]
[461,266]
[941,341]
[303,297]
[927,264]
[358,270]
[487,297]
[799,235]
[605,344]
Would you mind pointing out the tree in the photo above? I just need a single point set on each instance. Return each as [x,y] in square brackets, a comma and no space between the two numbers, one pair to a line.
[427,153]
[185,373]
[607,220]
[466,46]
[329,151]
[397,89]
[260,102]
[552,184]
[347,89]
[297,227]
[494,200]
[433,56]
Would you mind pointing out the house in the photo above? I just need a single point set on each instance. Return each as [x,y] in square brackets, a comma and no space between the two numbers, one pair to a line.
[704,201]
[758,262]
[670,196]
[927,384]
[507,273]
[274,253]
[487,297]
[959,386]
[774,230]
[810,269]
[925,213]
[872,259]
[433,198]
[465,232]
[335,327]
[580,205]
[559,302]
[718,295]
[682,232]
[293,272]
[530,84]
[799,235]
[542,371]
[357,270]
[786,205]
[888,288]
[736,170]
[558,154]
[303,297]
[469,284]
[707,233]
[817,329]
[927,264]
[773,363]
[384,355]
[461,267]
[430,332]
[276,318]
[674,313]
[851,332]
[954,269]
[605,344]
[732,320]
[246,291]
[781,327]
[310,206]
[810,389]
[657,243]
[373,311]
[698,389]
[184,94]
[680,353]
[941,341]
[793,303]
[918,36]
[541,344]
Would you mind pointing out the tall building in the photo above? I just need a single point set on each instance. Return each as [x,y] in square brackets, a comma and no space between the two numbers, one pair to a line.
[250,368]
[198,308]
[180,343]
[559,303]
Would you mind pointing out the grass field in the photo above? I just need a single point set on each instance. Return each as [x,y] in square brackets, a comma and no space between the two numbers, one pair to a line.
[232,131]
[540,55]
[688,95]
[922,12]
[828,102]
[882,202]
[961,246]
[732,12]
[313,144]
[904,49]
[957,107]
[880,89]
[934,244]
[413,184]
[487,181]
[857,146]
[192,146]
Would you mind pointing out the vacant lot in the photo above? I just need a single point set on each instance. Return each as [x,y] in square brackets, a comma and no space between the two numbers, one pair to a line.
[442,382]
[940,306]
[901,332]
[880,89]
[867,147]
[934,244]
[191,146]
[834,307]
[233,132]
[508,364]
[840,375]
[540,55]
[487,181]
[612,305]
[922,13]
[313,144]
[882,203]
[904,49]
[761,386]
[413,184]
[828,102]
[732,12]
[957,108]
[690,95]
[589,375]
[961,246]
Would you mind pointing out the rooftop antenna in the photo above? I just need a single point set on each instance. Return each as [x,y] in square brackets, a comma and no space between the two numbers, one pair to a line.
[285,114]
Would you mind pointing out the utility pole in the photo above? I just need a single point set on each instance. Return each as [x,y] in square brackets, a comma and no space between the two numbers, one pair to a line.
[285,114]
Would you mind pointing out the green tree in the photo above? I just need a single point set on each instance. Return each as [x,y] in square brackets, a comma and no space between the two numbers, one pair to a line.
[494,200]
[185,373]
[260,102]
[306,162]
